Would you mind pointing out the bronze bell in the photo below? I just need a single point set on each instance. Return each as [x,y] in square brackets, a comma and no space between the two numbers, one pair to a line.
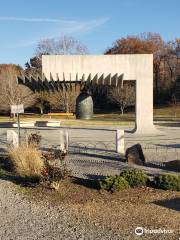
[84,106]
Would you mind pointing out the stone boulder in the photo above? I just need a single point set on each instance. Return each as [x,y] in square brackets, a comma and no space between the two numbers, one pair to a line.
[134,155]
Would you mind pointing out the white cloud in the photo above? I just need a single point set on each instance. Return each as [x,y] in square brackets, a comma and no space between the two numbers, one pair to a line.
[43,20]
[66,27]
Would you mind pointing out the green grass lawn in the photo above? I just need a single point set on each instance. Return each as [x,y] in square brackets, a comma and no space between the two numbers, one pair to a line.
[160,113]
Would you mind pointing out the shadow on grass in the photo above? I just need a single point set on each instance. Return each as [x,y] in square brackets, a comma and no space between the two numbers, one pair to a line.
[171,203]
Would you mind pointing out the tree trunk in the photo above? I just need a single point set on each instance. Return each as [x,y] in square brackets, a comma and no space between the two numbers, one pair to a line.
[41,110]
[122,111]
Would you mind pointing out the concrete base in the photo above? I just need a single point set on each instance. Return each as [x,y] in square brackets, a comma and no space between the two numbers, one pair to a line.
[50,123]
[150,131]
[24,124]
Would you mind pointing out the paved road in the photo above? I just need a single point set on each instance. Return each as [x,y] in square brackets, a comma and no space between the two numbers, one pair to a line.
[170,136]
[95,140]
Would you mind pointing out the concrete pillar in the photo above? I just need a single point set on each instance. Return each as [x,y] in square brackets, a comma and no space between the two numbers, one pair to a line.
[144,105]
[64,140]
[66,136]
[12,138]
[120,148]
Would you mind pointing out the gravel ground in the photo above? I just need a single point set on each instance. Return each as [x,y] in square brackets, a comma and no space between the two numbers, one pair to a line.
[89,167]
[24,219]
[104,218]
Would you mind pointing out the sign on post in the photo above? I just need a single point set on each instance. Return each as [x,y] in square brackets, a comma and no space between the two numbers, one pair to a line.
[15,109]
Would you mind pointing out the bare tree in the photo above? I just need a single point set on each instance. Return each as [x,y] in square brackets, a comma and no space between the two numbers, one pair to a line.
[10,92]
[41,101]
[123,97]
[64,99]
[65,45]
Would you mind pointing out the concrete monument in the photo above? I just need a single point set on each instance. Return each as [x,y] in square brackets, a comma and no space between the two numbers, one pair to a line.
[104,68]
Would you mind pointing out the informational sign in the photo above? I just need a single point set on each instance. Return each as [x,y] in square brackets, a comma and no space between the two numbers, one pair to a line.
[17,109]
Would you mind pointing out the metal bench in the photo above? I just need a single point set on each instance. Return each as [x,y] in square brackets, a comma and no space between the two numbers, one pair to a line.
[49,123]
[66,115]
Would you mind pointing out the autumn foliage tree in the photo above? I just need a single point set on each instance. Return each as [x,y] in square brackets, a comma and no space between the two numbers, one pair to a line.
[166,57]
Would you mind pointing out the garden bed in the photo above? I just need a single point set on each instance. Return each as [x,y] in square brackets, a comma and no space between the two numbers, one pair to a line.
[101,213]
[120,212]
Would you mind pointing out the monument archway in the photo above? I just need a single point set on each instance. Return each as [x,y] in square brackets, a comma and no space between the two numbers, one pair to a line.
[103,69]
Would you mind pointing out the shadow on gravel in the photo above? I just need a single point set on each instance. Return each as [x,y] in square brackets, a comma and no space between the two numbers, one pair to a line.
[177,145]
[172,203]
[93,184]
[100,156]
[6,173]
[171,165]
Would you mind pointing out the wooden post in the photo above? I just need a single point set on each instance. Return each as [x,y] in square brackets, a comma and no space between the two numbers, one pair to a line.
[19,133]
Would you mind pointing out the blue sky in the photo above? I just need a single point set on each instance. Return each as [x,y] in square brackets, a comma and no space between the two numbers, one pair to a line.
[95,23]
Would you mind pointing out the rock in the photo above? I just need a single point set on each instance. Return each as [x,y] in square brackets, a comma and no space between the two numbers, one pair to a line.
[134,155]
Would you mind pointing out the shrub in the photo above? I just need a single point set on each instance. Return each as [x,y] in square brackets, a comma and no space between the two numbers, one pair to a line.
[135,177]
[113,183]
[34,139]
[54,155]
[55,168]
[27,161]
[168,182]
[53,173]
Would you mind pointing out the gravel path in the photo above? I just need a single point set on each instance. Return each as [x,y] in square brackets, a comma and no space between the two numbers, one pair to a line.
[25,219]
[29,219]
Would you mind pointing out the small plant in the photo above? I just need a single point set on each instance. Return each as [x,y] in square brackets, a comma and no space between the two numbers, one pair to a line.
[168,182]
[34,139]
[54,155]
[113,183]
[27,162]
[55,168]
[55,173]
[135,177]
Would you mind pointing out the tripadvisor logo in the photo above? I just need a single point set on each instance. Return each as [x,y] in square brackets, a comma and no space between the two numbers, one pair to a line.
[140,231]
